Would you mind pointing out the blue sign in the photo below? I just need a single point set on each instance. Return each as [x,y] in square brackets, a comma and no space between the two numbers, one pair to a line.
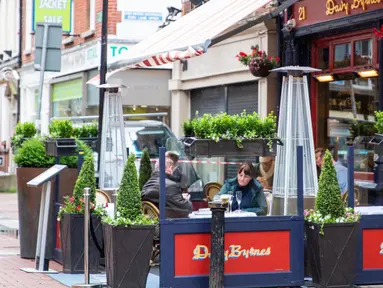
[143,16]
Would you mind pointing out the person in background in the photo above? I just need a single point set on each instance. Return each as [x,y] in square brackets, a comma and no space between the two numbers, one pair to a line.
[253,199]
[341,171]
[176,175]
[177,204]
[264,172]
[318,152]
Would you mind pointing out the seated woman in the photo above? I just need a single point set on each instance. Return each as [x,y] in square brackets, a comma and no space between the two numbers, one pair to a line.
[253,199]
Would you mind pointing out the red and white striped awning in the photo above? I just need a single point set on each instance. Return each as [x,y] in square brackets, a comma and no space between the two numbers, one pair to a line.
[189,36]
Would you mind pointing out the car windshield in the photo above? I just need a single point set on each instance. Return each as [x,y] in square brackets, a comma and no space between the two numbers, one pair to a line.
[152,138]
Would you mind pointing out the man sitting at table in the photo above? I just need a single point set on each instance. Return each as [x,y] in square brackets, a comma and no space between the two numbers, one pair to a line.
[177,205]
[253,199]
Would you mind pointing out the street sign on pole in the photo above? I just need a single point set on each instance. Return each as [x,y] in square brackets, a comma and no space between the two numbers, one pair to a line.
[48,41]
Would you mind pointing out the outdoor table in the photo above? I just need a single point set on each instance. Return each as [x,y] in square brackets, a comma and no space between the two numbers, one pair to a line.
[370,247]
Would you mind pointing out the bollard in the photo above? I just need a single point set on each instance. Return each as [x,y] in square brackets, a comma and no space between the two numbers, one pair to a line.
[217,258]
[86,243]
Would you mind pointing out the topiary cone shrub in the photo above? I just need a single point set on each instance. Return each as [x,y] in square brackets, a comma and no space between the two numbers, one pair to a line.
[129,196]
[329,201]
[145,169]
[86,179]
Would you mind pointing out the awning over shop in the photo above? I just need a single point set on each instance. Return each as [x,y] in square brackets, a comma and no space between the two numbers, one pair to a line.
[192,34]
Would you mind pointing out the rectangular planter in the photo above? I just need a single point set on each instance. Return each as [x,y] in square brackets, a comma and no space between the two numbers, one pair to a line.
[332,256]
[210,148]
[29,207]
[60,147]
[90,141]
[72,244]
[127,255]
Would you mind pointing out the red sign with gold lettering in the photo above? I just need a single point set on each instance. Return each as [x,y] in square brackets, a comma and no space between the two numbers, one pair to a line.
[245,252]
[308,12]
[372,249]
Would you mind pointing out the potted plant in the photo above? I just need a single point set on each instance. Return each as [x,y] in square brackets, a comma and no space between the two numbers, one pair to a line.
[145,169]
[232,135]
[31,161]
[87,134]
[331,231]
[23,131]
[258,62]
[127,265]
[71,217]
[59,142]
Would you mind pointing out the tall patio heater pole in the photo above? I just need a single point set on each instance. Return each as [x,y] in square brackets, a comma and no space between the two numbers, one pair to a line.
[294,129]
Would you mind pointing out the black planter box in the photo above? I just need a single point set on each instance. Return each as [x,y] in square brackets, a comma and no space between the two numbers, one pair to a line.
[210,148]
[332,256]
[90,141]
[127,255]
[72,243]
[60,147]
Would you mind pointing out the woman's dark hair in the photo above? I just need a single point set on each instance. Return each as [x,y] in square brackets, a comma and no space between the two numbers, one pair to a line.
[247,168]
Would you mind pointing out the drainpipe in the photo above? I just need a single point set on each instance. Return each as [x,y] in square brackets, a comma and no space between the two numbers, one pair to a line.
[20,60]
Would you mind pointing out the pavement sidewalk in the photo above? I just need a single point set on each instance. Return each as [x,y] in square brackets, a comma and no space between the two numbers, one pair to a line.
[10,263]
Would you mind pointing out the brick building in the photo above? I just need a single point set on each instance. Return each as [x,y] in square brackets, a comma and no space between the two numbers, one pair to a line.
[65,93]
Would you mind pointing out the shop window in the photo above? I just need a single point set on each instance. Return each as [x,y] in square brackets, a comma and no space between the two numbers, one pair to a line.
[67,98]
[363,52]
[342,55]
[323,58]
[92,96]
[345,111]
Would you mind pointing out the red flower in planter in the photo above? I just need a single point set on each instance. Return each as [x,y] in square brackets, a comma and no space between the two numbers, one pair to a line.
[242,54]
[378,33]
[78,208]
[71,199]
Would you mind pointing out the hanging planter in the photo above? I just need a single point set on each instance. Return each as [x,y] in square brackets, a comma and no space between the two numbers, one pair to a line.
[262,70]
[258,62]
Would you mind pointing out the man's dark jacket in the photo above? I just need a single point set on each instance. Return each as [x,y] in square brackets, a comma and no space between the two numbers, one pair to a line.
[176,205]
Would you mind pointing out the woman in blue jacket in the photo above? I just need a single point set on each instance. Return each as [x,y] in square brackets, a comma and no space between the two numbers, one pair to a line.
[253,199]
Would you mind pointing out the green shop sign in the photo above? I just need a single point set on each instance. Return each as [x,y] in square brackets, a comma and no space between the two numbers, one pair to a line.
[67,90]
[53,11]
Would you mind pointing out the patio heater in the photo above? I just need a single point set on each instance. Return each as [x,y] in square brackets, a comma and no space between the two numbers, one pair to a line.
[113,154]
[294,129]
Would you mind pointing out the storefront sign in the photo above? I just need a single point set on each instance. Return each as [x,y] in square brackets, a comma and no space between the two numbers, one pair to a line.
[116,49]
[308,12]
[372,249]
[143,16]
[245,252]
[53,11]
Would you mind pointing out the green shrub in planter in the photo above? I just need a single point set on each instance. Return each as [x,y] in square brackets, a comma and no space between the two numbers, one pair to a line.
[32,154]
[60,129]
[23,130]
[127,265]
[85,179]
[379,121]
[86,131]
[188,128]
[145,169]
[332,234]
[329,201]
[233,127]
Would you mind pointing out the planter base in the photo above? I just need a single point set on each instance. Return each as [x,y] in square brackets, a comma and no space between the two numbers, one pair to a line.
[72,243]
[333,255]
[127,262]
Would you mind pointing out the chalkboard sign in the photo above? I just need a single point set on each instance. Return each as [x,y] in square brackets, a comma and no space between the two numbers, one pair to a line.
[46,175]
